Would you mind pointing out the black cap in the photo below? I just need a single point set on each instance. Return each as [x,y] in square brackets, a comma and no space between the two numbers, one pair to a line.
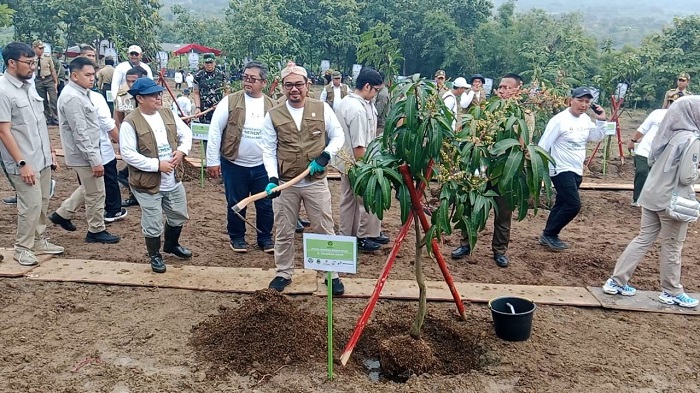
[477,76]
[581,92]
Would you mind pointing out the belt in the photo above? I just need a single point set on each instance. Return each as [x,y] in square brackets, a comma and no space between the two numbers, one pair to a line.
[44,77]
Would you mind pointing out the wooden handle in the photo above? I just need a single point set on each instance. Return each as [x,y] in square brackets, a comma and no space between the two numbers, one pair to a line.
[198,114]
[263,194]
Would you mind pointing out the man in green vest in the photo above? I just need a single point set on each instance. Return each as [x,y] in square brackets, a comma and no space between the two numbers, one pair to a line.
[302,133]
[153,142]
[234,152]
[335,91]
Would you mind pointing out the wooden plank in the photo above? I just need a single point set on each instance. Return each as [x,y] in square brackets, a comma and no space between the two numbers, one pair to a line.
[205,278]
[10,268]
[646,301]
[616,186]
[473,292]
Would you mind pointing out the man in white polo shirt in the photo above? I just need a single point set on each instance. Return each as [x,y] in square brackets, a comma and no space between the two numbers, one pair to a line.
[119,76]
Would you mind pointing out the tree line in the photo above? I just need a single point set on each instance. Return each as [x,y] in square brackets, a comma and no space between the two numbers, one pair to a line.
[460,36]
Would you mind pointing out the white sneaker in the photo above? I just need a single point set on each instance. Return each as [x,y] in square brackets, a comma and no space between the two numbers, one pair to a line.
[26,258]
[682,300]
[613,288]
[635,204]
[44,247]
[117,216]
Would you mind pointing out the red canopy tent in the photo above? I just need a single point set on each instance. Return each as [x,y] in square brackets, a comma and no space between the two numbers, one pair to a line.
[196,49]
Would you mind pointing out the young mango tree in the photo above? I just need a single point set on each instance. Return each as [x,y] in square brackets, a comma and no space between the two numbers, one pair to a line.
[492,155]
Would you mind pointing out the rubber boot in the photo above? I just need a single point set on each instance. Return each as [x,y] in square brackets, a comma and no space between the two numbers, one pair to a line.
[172,243]
[153,247]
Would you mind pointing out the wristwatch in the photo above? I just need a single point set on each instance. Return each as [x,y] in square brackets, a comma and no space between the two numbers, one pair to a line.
[21,163]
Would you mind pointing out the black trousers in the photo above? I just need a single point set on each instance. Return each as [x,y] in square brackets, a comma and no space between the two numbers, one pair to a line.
[567,204]
[113,197]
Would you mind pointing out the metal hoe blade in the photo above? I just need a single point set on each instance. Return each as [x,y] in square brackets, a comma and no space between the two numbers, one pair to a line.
[244,220]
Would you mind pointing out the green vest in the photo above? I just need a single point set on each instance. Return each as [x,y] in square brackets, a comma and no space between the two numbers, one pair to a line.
[297,148]
[146,144]
[329,92]
[231,137]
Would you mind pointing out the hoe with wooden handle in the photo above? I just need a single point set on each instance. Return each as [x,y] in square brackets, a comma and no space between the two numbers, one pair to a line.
[263,194]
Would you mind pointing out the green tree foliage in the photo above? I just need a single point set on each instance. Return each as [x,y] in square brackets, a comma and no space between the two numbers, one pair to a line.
[378,49]
[84,21]
[5,15]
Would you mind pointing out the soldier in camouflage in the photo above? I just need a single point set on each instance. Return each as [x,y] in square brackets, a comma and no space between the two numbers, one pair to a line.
[58,64]
[680,90]
[208,87]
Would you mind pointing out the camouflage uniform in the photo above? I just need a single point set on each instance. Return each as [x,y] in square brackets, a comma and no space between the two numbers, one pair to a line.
[211,91]
[676,93]
[60,71]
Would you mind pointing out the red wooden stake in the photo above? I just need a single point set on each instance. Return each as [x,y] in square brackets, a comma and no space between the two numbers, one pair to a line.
[369,308]
[415,201]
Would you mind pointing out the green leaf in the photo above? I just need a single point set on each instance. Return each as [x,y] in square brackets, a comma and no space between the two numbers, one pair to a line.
[512,165]
[502,146]
[405,202]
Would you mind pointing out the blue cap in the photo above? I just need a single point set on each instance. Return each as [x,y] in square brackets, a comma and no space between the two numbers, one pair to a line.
[144,87]
[186,91]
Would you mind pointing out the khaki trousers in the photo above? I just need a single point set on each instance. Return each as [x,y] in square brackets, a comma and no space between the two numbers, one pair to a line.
[172,203]
[317,202]
[91,193]
[31,220]
[354,219]
[671,234]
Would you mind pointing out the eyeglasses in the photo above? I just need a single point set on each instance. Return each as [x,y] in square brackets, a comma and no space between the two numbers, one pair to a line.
[251,79]
[376,89]
[290,86]
[31,63]
[134,54]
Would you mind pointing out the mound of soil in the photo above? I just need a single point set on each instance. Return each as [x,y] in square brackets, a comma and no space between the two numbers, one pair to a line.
[402,356]
[447,346]
[266,332]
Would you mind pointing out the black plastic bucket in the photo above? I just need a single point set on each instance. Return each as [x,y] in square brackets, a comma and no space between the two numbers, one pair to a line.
[512,326]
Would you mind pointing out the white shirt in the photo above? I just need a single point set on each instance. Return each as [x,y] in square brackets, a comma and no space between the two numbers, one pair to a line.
[337,95]
[185,104]
[119,76]
[107,124]
[130,154]
[648,129]
[334,132]
[178,77]
[565,140]
[190,80]
[250,148]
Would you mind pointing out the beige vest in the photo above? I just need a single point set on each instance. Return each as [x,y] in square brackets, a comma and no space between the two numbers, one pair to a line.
[146,144]
[231,138]
[46,65]
[329,92]
[297,148]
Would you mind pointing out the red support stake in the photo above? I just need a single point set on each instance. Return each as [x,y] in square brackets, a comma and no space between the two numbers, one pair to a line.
[369,308]
[163,82]
[415,201]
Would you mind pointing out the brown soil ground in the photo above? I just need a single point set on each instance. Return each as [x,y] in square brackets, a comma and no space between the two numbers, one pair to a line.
[66,337]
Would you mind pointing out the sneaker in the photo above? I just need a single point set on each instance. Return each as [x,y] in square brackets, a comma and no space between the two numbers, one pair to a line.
[300,227]
[553,242]
[279,283]
[238,246]
[26,258]
[613,288]
[337,287]
[10,200]
[103,237]
[130,201]
[114,217]
[267,246]
[635,204]
[682,300]
[43,246]
[366,245]
[381,239]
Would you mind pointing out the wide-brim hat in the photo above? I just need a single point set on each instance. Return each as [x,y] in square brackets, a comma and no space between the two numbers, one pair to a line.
[479,77]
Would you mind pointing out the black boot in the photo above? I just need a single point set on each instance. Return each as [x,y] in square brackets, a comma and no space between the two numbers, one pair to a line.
[172,245]
[153,247]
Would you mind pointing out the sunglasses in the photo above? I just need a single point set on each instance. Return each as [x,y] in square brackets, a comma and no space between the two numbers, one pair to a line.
[134,53]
